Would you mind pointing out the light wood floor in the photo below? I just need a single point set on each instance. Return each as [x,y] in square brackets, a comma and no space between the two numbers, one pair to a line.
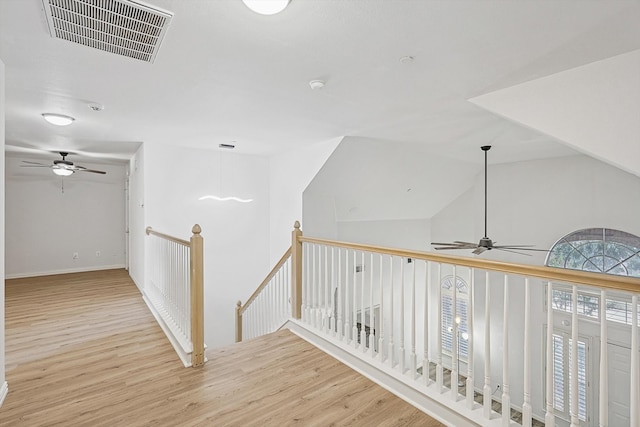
[83,350]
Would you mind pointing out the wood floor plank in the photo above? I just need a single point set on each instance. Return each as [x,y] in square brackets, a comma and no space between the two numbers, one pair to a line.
[83,350]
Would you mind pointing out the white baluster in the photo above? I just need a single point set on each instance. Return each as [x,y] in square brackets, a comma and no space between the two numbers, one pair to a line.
[635,381]
[312,286]
[391,354]
[454,336]
[305,284]
[363,332]
[549,418]
[317,260]
[413,356]
[470,313]
[486,389]
[354,328]
[340,299]
[427,292]
[604,362]
[347,316]
[526,406]
[401,318]
[372,320]
[333,305]
[439,372]
[381,320]
[575,421]
[506,397]
[327,298]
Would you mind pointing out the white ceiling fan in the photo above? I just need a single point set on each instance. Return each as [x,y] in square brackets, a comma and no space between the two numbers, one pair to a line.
[485,244]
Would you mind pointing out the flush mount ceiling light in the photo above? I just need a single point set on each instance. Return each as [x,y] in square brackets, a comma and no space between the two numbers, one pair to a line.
[58,119]
[266,7]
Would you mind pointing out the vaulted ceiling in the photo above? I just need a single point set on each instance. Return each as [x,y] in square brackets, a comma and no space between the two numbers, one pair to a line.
[225,74]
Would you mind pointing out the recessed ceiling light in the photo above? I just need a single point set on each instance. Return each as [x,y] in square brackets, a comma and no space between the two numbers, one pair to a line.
[406,59]
[58,119]
[266,7]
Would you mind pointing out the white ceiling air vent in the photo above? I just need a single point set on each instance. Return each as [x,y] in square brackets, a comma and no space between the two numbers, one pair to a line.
[123,27]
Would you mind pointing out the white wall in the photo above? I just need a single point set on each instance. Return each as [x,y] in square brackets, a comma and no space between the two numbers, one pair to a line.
[289,175]
[136,218]
[236,235]
[3,384]
[405,234]
[45,227]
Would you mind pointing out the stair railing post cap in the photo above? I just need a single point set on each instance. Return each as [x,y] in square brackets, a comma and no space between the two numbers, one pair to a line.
[196,229]
[296,225]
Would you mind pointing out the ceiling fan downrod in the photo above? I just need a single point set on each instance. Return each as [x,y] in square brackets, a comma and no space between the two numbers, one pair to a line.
[485,148]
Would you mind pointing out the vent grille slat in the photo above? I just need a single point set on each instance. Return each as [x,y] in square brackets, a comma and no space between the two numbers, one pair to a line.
[122,27]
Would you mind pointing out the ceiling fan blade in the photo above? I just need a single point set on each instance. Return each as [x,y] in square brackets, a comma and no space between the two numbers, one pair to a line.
[513,252]
[34,166]
[90,170]
[448,248]
[520,248]
[465,243]
[33,163]
[479,250]
[445,244]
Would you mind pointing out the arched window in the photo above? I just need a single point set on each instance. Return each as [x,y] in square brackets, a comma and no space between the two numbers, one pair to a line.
[600,250]
[462,300]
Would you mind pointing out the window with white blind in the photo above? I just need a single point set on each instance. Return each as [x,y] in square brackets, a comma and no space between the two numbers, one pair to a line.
[462,300]
[562,359]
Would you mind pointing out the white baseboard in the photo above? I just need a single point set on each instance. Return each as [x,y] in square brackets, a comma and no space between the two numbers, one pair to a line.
[4,390]
[64,271]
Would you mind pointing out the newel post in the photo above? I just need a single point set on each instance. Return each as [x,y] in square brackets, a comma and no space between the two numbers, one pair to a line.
[296,271]
[239,321]
[197,296]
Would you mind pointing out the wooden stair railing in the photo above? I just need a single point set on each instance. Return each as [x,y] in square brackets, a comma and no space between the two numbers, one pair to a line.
[176,289]
[385,305]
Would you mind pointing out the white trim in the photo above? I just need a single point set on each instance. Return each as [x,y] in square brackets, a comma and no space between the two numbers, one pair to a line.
[4,390]
[65,271]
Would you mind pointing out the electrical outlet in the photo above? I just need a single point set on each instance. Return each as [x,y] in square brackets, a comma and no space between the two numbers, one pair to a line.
[75,255]
[97,253]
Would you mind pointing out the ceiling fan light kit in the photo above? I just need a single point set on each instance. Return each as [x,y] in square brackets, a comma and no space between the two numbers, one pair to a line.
[485,244]
[61,171]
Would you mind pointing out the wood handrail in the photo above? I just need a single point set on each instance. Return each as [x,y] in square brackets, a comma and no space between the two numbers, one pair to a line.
[243,307]
[608,281]
[150,231]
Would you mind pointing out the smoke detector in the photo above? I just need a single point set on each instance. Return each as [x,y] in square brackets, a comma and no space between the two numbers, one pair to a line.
[316,84]
[122,27]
